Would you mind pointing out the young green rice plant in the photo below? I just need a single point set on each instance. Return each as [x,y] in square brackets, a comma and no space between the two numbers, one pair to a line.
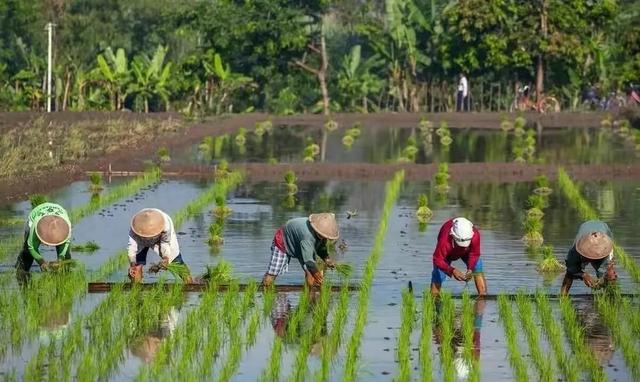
[345,269]
[575,335]
[426,365]
[222,273]
[290,181]
[446,323]
[347,140]
[609,309]
[445,134]
[356,130]
[532,333]
[221,210]
[37,199]
[206,148]
[410,151]
[520,122]
[549,261]
[95,182]
[311,151]
[90,246]
[515,358]
[331,343]
[222,169]
[331,125]
[404,338]
[442,178]
[505,124]
[468,329]
[351,362]
[163,155]
[425,126]
[530,144]
[215,233]
[423,213]
[532,232]
[543,186]
[241,137]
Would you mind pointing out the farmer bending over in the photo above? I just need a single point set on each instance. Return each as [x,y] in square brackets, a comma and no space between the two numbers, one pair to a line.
[593,245]
[304,239]
[152,228]
[457,239]
[47,224]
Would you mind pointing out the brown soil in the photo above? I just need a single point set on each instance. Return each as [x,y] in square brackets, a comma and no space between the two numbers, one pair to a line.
[132,158]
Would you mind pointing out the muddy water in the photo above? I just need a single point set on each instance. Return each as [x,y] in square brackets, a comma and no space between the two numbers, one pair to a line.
[584,146]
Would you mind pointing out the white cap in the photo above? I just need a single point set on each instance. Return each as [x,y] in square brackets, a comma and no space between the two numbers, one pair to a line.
[462,231]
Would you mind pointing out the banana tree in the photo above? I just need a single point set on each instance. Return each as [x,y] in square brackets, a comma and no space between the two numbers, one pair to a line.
[355,79]
[151,77]
[115,73]
[221,83]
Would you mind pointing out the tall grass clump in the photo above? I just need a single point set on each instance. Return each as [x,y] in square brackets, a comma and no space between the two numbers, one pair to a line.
[553,332]
[575,335]
[426,365]
[95,182]
[352,351]
[404,338]
[532,333]
[575,198]
[549,262]
[515,358]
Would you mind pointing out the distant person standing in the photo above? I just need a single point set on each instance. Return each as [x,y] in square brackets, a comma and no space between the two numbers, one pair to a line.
[463,92]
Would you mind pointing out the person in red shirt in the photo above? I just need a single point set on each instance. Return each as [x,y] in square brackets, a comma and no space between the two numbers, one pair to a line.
[457,239]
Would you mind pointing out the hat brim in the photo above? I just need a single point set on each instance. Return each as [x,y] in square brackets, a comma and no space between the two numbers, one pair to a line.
[313,220]
[592,251]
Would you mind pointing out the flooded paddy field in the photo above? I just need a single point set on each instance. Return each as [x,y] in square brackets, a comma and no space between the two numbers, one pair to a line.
[384,331]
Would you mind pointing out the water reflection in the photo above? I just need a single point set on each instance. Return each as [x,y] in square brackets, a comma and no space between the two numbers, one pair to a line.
[597,335]
[280,318]
[147,347]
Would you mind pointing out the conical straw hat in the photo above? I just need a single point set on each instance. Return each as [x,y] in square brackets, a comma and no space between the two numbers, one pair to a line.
[594,246]
[325,225]
[148,223]
[52,230]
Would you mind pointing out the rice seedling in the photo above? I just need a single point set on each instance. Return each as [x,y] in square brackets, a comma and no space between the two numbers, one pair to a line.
[505,124]
[543,186]
[355,130]
[445,134]
[347,140]
[550,262]
[520,122]
[95,182]
[404,338]
[426,365]
[311,151]
[37,199]
[468,329]
[515,358]
[533,232]
[345,269]
[351,362]
[163,154]
[530,144]
[425,125]
[215,233]
[241,137]
[441,178]
[90,246]
[423,213]
[410,150]
[8,221]
[331,125]
[290,181]
[222,273]
[532,333]
[575,335]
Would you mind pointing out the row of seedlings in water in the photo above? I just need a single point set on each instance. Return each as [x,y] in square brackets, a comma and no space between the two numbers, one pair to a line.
[220,212]
[428,309]
[620,325]
[441,179]
[532,334]
[553,333]
[410,151]
[404,338]
[426,135]
[445,134]
[524,142]
[117,335]
[290,181]
[469,350]
[446,326]
[353,346]
[423,212]
[575,335]
[572,193]
[351,135]
[516,360]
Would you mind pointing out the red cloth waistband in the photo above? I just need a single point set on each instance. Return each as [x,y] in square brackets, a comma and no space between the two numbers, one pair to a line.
[278,239]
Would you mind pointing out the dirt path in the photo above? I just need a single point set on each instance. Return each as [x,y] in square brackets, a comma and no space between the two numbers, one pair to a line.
[19,187]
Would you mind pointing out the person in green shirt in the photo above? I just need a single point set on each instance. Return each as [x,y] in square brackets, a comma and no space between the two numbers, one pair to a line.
[48,224]
[303,239]
[593,245]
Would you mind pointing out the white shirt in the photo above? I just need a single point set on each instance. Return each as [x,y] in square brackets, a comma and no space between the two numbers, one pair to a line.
[166,245]
[463,86]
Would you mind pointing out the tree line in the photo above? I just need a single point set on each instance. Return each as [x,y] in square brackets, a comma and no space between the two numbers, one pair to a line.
[289,56]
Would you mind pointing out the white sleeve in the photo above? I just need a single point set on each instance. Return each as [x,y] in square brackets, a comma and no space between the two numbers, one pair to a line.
[169,247]
[132,249]
[465,87]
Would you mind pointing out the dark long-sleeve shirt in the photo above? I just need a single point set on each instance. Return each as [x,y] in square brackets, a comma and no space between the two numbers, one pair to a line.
[447,251]
[575,262]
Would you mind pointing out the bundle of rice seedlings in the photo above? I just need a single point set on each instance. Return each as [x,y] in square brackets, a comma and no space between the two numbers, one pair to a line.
[90,246]
[331,125]
[423,212]
[534,213]
[344,269]
[220,273]
[347,140]
[519,122]
[549,262]
[506,125]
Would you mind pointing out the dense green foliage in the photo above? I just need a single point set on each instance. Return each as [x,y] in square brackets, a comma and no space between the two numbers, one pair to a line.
[219,56]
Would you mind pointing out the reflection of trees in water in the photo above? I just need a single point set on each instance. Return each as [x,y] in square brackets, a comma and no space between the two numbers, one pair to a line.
[596,333]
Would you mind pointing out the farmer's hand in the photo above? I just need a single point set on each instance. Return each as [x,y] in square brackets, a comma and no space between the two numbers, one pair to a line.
[133,270]
[459,275]
[611,274]
[589,281]
[44,266]
[165,262]
[469,275]
[330,263]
